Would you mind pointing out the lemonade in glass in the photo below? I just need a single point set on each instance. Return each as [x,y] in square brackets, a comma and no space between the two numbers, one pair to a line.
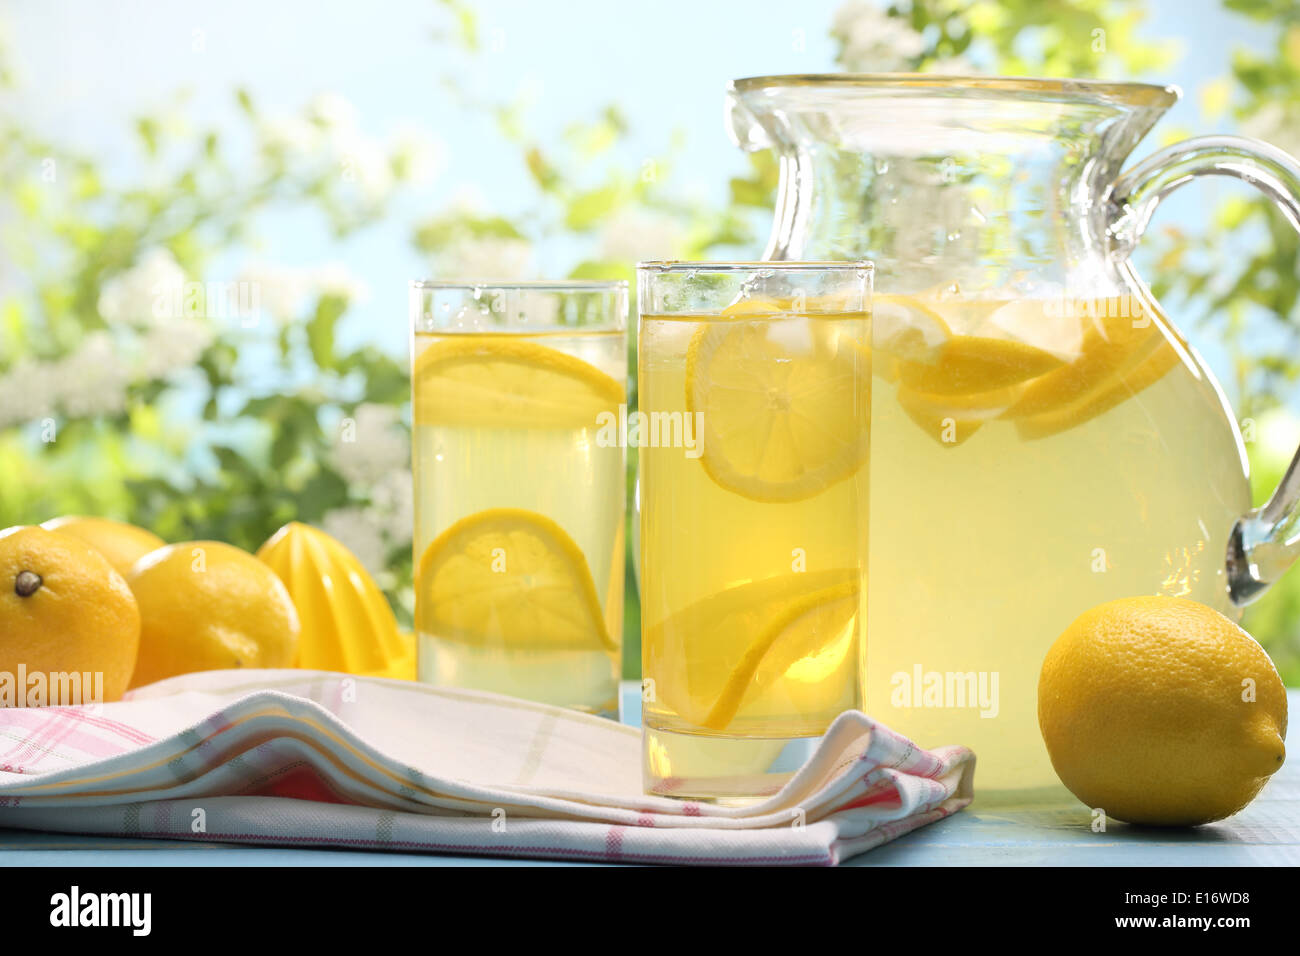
[755,399]
[519,496]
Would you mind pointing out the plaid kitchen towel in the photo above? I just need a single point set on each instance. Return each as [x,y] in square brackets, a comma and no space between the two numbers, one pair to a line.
[310,758]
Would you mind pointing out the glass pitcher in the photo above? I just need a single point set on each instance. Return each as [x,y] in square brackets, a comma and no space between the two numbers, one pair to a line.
[1044,439]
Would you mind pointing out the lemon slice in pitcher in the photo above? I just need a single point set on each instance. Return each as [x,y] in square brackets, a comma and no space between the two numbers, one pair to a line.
[512,577]
[1124,350]
[907,329]
[1110,342]
[791,639]
[784,403]
[971,363]
[931,358]
[952,419]
[1147,367]
[491,380]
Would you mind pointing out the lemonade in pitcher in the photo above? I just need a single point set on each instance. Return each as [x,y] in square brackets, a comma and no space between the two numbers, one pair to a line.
[1043,440]
[519,506]
[1016,444]
[755,393]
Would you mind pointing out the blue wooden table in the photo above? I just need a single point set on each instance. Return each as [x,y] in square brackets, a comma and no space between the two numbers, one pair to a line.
[1266,833]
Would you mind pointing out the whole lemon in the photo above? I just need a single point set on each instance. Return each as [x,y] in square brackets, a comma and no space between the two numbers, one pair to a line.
[205,605]
[123,544]
[1160,710]
[64,613]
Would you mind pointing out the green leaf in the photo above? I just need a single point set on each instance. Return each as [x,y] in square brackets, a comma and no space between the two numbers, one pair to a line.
[1262,9]
[285,443]
[601,270]
[466,23]
[443,232]
[231,461]
[13,331]
[323,492]
[320,329]
[588,208]
[543,173]
[149,132]
[263,407]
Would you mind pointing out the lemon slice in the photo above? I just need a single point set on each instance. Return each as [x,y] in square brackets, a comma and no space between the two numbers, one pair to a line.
[1144,369]
[784,403]
[969,363]
[809,649]
[952,419]
[905,328]
[497,380]
[931,358]
[758,305]
[511,577]
[792,637]
[1110,343]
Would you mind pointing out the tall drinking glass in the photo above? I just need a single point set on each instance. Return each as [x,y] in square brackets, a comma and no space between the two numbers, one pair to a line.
[755,400]
[519,474]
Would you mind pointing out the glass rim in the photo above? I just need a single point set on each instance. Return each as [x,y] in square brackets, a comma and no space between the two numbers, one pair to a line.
[530,285]
[661,266]
[1067,89]
[589,305]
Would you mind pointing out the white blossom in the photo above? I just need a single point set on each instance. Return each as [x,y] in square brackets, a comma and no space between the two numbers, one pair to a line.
[335,278]
[285,291]
[145,292]
[370,446]
[92,380]
[373,456]
[282,291]
[357,529]
[329,136]
[333,110]
[874,42]
[26,393]
[291,135]
[172,347]
[488,258]
[393,498]
[423,155]
[633,235]
[363,162]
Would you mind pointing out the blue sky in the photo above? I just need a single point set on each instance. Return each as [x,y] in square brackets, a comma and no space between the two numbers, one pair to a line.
[87,67]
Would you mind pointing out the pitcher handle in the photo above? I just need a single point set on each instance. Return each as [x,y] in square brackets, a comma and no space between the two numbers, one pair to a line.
[1264,541]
